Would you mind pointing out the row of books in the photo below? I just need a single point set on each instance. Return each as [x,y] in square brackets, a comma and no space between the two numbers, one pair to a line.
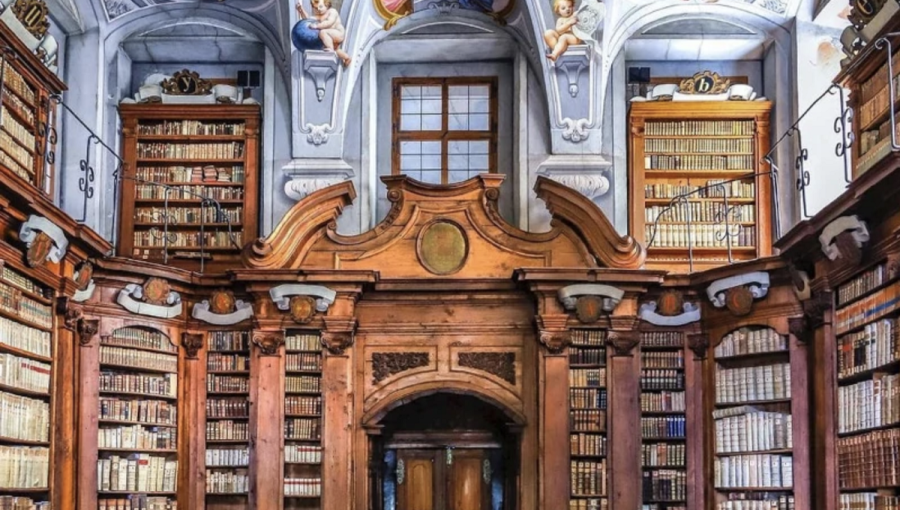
[588,477]
[587,377]
[862,284]
[302,383]
[662,379]
[869,460]
[670,235]
[589,504]
[302,486]
[310,343]
[138,359]
[587,398]
[137,437]
[14,150]
[587,420]
[190,174]
[24,467]
[12,300]
[195,192]
[138,502]
[756,502]
[181,240]
[218,362]
[871,87]
[588,338]
[24,373]
[663,455]
[24,418]
[303,362]
[140,472]
[700,128]
[768,471]
[868,501]
[875,346]
[22,503]
[302,454]
[294,404]
[712,188]
[587,444]
[869,404]
[26,173]
[664,485]
[750,341]
[749,384]
[156,412]
[211,151]
[587,356]
[227,482]
[753,432]
[662,401]
[228,341]
[663,506]
[879,104]
[663,427]
[20,281]
[227,383]
[228,457]
[188,215]
[702,145]
[19,132]
[699,162]
[227,408]
[191,127]
[302,429]
[867,309]
[662,339]
[164,385]
[24,111]
[876,144]
[14,81]
[142,339]
[700,212]
[671,359]
[227,430]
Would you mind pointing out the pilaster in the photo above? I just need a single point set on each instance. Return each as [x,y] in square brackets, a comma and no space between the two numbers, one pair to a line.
[624,445]
[266,417]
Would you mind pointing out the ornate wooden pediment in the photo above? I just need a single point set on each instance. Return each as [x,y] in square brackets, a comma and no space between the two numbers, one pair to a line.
[444,232]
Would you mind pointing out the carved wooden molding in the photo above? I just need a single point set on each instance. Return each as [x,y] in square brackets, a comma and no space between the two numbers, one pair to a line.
[186,83]
[590,300]
[699,343]
[268,342]
[501,364]
[387,364]
[553,332]
[336,342]
[192,343]
[843,238]
[705,82]
[87,329]
[623,342]
[738,292]
[815,308]
[799,328]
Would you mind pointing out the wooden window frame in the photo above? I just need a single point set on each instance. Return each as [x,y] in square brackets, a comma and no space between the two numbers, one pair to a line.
[445,134]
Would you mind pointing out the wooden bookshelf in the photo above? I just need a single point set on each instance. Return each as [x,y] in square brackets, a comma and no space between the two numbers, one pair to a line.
[588,401]
[26,373]
[303,449]
[227,456]
[752,421]
[137,437]
[678,147]
[191,151]
[871,97]
[664,448]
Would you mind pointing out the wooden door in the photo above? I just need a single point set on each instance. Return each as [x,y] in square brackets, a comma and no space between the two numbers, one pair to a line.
[443,479]
[417,480]
[469,481]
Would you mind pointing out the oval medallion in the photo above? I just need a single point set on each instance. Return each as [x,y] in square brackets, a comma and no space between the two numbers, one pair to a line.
[442,247]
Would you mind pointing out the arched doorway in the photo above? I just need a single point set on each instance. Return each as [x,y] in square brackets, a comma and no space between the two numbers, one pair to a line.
[445,451]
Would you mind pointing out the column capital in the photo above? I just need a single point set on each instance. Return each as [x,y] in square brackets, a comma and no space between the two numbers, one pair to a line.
[553,332]
[268,342]
[338,335]
[623,342]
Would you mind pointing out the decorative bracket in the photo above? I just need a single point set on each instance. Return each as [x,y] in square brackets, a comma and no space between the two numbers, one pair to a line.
[571,64]
[302,300]
[300,186]
[699,343]
[87,329]
[623,342]
[154,299]
[222,309]
[338,334]
[73,319]
[268,342]
[738,292]
[45,241]
[800,279]
[590,300]
[192,343]
[320,66]
[84,282]
[690,313]
[553,332]
[848,247]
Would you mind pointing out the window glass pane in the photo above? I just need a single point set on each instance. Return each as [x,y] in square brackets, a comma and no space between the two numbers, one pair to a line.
[478,162]
[410,162]
[458,92]
[431,106]
[410,147]
[479,91]
[457,176]
[478,147]
[478,122]
[431,147]
[433,177]
[473,173]
[458,122]
[457,147]
[480,106]
[413,174]
[410,122]
[432,92]
[431,123]
[431,162]
[458,162]
[410,91]
[478,99]
[459,106]
[410,106]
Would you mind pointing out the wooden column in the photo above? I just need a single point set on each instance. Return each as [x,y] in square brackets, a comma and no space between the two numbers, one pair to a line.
[192,429]
[624,438]
[696,418]
[267,420]
[337,412]
[553,405]
[87,362]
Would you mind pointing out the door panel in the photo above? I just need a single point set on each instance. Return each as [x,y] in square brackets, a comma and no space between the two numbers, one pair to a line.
[467,488]
[415,486]
[440,480]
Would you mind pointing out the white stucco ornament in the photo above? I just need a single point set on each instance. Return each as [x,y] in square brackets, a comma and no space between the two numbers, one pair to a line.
[757,283]
[281,295]
[850,224]
[590,16]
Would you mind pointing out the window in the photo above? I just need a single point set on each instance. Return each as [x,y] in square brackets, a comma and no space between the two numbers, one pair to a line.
[444,130]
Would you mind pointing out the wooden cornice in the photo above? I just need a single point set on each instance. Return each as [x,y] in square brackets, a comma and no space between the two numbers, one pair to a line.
[582,216]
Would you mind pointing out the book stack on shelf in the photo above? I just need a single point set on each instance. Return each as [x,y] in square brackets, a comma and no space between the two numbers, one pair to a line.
[303,421]
[875,126]
[587,420]
[868,400]
[712,150]
[137,442]
[227,419]
[753,424]
[663,430]
[26,363]
[191,153]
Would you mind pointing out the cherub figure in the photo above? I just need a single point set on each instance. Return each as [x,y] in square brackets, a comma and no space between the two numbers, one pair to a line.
[328,23]
[562,37]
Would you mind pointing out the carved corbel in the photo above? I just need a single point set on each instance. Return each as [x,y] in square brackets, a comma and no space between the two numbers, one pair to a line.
[699,343]
[321,66]
[553,332]
[192,343]
[268,342]
[590,300]
[338,335]
[799,328]
[800,279]
[844,238]
[623,342]
[738,292]
[570,65]
[86,330]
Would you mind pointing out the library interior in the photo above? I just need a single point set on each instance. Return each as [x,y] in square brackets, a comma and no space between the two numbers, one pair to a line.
[324,255]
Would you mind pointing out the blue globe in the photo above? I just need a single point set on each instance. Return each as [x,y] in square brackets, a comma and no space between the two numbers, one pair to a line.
[305,38]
